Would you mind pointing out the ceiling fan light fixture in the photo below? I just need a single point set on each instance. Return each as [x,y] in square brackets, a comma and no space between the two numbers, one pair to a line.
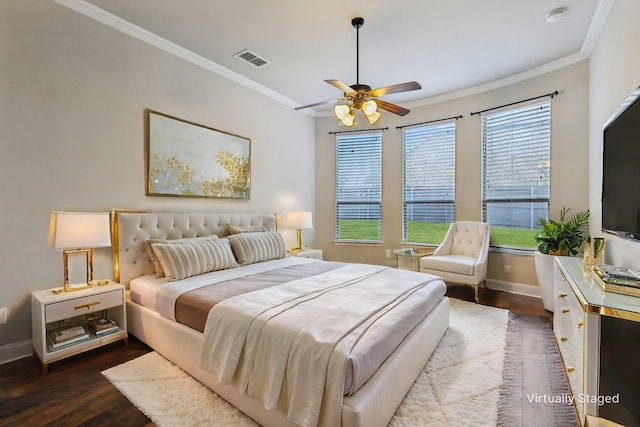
[349,120]
[373,117]
[341,111]
[344,114]
[369,107]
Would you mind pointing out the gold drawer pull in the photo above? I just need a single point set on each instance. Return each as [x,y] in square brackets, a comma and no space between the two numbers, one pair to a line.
[570,369]
[562,295]
[580,325]
[565,310]
[87,305]
[563,339]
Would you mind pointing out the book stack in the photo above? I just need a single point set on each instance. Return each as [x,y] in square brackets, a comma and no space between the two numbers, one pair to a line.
[103,326]
[60,338]
[621,280]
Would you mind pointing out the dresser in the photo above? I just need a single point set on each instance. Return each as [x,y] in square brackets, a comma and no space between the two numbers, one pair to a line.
[596,332]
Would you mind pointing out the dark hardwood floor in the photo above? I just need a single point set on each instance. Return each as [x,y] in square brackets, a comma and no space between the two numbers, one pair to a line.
[74,392]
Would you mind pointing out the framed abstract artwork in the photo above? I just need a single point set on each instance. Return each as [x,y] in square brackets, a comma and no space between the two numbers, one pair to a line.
[188,159]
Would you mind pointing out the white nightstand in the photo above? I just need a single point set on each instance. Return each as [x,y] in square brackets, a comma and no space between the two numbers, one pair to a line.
[308,253]
[51,312]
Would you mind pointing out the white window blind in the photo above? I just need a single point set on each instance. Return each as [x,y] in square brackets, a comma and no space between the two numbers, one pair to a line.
[359,187]
[516,167]
[428,181]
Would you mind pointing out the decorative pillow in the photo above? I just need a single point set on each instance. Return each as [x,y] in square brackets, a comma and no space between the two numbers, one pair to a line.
[190,259]
[256,247]
[235,229]
[154,259]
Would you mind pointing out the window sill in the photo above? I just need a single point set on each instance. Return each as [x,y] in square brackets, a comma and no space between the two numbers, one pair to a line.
[358,242]
[512,251]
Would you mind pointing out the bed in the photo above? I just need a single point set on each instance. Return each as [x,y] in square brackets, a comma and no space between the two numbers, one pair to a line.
[363,380]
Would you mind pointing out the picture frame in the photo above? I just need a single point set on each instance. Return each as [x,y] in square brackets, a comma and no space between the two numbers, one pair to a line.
[187,159]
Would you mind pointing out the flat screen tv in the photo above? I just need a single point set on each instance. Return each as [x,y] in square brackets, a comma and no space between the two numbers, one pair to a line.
[621,170]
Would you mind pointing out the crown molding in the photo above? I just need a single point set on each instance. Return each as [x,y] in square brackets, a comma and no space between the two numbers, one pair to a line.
[115,22]
[593,33]
[598,20]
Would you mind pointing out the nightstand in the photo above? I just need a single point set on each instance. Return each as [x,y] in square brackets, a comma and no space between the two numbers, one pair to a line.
[308,253]
[60,313]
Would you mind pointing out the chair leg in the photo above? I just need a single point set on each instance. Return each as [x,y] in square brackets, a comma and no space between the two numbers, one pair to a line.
[475,290]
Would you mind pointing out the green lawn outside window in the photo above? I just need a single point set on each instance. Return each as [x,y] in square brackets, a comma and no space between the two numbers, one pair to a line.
[433,233]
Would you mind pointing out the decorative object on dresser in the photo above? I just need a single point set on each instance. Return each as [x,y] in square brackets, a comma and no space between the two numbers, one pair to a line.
[621,280]
[593,250]
[596,332]
[77,233]
[187,159]
[299,220]
[557,237]
[66,324]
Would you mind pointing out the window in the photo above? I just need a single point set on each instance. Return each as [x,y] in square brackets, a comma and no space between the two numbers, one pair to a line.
[428,182]
[359,187]
[515,173]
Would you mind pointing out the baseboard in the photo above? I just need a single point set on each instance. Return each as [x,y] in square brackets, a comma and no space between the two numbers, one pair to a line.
[515,288]
[15,351]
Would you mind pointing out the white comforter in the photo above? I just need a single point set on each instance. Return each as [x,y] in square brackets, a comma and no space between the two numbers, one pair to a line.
[287,346]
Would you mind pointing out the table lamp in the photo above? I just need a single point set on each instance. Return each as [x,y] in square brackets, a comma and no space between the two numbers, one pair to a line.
[299,220]
[79,232]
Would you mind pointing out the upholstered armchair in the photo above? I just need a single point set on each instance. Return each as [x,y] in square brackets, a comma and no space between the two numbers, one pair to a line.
[462,256]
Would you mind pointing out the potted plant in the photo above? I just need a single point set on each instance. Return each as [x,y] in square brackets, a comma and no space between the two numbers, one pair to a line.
[561,237]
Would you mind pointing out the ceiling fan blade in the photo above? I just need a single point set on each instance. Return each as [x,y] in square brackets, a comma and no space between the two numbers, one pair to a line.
[402,87]
[343,87]
[392,108]
[315,104]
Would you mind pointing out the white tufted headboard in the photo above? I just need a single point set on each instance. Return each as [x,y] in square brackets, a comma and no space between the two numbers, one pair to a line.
[129,229]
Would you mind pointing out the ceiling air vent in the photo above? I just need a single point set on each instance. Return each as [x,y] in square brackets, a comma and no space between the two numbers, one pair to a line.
[251,58]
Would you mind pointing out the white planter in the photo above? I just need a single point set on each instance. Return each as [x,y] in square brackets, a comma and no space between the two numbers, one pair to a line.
[544,271]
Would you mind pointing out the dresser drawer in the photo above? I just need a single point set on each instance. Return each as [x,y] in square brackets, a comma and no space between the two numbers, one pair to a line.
[83,305]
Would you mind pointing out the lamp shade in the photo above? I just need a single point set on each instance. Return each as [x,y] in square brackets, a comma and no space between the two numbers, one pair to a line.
[75,230]
[299,220]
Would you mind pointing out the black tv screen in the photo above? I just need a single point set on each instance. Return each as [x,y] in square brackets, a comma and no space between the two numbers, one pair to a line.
[621,170]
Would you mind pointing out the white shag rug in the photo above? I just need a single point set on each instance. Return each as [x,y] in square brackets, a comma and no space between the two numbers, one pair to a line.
[459,385]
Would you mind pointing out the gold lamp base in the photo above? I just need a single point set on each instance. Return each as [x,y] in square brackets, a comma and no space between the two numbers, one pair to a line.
[89,260]
[298,247]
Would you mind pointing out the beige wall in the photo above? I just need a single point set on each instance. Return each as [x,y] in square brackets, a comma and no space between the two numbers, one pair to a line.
[73,92]
[615,73]
[569,171]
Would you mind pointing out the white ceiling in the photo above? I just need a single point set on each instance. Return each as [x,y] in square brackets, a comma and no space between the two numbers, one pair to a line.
[452,46]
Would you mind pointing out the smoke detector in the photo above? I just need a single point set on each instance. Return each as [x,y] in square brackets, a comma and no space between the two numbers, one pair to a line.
[555,15]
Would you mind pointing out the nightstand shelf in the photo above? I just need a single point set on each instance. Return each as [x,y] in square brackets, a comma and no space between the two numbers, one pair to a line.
[51,312]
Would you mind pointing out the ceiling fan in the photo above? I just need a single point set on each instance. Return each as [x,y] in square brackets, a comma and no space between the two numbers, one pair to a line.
[361,96]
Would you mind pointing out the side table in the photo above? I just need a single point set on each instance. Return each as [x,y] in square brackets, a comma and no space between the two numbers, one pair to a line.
[409,258]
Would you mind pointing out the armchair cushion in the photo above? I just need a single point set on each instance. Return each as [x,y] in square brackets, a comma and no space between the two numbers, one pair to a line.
[459,264]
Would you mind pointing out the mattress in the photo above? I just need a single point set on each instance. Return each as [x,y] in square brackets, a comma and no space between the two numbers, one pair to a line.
[202,292]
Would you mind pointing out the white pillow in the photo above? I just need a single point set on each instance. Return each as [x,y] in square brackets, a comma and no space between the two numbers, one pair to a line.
[183,260]
[154,259]
[256,247]
[236,229]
